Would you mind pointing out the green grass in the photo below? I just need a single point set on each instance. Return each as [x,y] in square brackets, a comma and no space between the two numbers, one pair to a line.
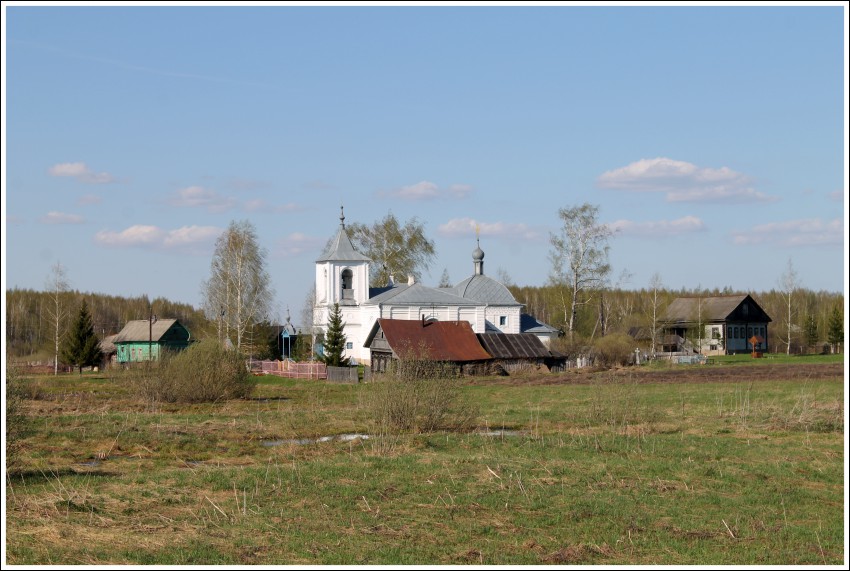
[603,472]
[777,358]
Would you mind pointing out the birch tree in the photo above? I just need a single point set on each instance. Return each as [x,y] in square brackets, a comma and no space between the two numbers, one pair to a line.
[57,288]
[788,284]
[579,257]
[238,292]
[656,286]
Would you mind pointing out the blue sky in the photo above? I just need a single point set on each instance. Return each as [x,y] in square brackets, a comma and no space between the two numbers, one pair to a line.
[711,138]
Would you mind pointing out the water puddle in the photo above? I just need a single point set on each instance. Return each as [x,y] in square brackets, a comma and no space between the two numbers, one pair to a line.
[304,441]
[502,433]
[89,464]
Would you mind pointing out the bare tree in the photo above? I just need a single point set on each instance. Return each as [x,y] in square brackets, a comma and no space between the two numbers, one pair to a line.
[580,256]
[57,286]
[238,292]
[788,284]
[656,286]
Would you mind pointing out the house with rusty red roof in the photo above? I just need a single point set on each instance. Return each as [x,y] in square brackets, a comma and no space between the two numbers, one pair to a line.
[426,340]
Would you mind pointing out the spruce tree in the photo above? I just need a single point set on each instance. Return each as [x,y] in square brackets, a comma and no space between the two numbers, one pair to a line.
[811,331]
[835,333]
[334,344]
[81,347]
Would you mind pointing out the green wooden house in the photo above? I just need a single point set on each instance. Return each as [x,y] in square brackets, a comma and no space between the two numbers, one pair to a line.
[143,340]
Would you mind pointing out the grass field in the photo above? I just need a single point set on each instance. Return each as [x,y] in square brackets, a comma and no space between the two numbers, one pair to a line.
[609,469]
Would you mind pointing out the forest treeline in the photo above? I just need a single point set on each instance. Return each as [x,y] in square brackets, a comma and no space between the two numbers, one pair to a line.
[30,325]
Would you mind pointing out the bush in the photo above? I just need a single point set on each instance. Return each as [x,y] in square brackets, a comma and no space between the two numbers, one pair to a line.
[205,372]
[16,420]
[420,396]
[616,349]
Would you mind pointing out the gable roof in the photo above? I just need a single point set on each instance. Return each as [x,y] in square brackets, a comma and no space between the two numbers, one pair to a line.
[714,309]
[431,340]
[513,345]
[417,294]
[140,330]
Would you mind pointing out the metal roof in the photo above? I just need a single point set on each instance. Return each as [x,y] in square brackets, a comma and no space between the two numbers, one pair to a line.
[513,345]
[418,294]
[483,289]
[431,340]
[530,324]
[707,309]
[140,330]
[341,249]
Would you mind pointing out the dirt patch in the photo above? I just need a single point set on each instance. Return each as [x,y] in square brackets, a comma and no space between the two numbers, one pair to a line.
[679,374]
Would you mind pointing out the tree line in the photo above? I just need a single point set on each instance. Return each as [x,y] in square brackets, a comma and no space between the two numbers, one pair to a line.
[580,298]
[31,317]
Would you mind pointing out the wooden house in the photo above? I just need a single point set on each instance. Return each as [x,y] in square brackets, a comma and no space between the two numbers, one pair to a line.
[145,340]
[716,325]
[440,341]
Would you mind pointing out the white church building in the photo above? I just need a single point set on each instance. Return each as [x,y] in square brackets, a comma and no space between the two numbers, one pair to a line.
[342,276]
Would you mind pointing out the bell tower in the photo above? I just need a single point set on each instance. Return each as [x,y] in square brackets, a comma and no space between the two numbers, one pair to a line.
[342,273]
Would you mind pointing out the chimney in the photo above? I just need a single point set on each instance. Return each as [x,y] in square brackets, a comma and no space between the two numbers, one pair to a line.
[391,281]
[411,280]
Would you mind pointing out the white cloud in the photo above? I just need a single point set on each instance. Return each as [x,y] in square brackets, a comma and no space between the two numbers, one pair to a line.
[54,217]
[200,197]
[426,190]
[296,244]
[658,228]
[465,227]
[192,239]
[802,232]
[81,172]
[837,196]
[683,182]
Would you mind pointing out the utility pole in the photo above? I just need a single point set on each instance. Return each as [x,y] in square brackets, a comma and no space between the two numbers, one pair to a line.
[151,321]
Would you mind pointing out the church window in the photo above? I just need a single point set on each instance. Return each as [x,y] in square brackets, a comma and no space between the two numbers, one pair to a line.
[503,320]
[347,281]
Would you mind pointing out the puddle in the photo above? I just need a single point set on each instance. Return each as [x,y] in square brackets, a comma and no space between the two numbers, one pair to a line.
[502,433]
[89,464]
[303,441]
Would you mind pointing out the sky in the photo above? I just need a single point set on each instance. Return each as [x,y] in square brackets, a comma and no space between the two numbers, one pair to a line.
[712,139]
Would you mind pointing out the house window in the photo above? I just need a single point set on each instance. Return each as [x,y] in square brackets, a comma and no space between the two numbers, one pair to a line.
[349,345]
[503,320]
[734,333]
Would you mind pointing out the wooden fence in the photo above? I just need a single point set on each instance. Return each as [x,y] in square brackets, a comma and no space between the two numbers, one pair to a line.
[291,369]
[343,375]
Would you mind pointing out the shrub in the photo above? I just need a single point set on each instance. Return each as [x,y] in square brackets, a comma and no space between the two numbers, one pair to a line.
[205,372]
[16,420]
[420,396]
[616,349]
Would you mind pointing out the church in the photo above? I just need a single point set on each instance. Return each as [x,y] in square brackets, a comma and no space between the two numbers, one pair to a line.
[342,277]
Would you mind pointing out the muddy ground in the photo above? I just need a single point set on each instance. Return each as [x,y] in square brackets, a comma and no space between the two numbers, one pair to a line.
[679,374]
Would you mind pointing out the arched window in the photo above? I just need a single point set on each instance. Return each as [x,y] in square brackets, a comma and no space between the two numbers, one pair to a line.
[347,284]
